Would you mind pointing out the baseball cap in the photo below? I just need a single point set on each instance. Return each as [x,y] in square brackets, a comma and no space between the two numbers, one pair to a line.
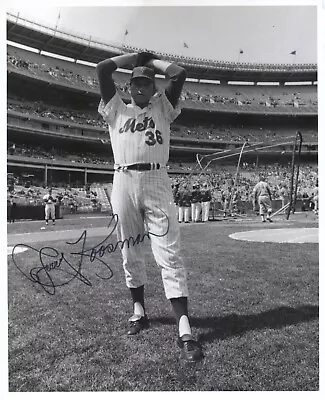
[143,72]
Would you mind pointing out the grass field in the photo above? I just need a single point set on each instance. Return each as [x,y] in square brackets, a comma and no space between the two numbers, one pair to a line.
[253,306]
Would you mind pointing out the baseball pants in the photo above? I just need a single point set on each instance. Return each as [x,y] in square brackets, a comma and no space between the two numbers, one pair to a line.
[143,202]
[205,210]
[184,214]
[195,211]
[265,204]
[49,211]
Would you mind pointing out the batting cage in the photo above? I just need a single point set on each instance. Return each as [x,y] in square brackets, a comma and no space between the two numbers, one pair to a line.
[227,203]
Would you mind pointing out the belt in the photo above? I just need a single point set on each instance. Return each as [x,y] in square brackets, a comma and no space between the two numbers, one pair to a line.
[138,167]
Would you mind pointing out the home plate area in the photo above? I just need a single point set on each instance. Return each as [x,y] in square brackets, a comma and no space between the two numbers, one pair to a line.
[291,235]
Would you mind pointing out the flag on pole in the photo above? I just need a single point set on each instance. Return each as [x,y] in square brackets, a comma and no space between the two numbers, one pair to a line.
[186,45]
[126,32]
[57,21]
[241,51]
[294,52]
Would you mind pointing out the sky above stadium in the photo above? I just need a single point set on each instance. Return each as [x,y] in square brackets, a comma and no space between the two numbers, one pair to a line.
[245,33]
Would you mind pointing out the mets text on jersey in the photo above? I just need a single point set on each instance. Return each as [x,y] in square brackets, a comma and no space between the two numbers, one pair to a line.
[148,122]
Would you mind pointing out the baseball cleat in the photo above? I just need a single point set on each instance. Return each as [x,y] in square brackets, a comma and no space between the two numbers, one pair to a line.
[137,324]
[191,349]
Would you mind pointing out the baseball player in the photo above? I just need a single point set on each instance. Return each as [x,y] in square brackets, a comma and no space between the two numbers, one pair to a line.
[315,199]
[262,196]
[195,203]
[205,202]
[141,194]
[184,203]
[49,201]
[225,200]
[284,194]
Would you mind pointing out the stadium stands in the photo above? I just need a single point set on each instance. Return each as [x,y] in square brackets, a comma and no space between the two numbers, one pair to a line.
[242,107]
[206,95]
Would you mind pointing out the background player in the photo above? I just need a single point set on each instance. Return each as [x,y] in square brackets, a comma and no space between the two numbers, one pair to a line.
[49,201]
[205,202]
[184,203]
[315,199]
[141,195]
[262,196]
[195,203]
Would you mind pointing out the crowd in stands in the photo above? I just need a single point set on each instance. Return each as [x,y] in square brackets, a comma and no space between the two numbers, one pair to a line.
[85,77]
[56,72]
[56,153]
[39,109]
[219,176]
[261,98]
[71,199]
[214,132]
[219,180]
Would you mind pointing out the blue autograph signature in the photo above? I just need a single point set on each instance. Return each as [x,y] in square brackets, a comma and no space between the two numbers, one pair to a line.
[57,268]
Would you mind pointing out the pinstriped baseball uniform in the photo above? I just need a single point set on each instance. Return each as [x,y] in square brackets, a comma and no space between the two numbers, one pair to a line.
[143,200]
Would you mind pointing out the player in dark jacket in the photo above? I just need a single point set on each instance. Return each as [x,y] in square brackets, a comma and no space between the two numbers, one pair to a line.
[184,204]
[195,203]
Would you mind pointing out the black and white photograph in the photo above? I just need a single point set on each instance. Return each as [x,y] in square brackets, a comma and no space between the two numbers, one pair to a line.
[162,198]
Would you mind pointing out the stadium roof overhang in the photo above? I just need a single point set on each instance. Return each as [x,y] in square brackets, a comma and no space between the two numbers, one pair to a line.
[84,48]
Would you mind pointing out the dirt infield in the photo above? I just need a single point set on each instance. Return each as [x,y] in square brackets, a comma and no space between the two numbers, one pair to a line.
[282,235]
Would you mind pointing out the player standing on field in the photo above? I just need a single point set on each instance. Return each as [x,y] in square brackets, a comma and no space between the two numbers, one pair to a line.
[49,201]
[205,202]
[142,195]
[262,196]
[195,203]
[184,203]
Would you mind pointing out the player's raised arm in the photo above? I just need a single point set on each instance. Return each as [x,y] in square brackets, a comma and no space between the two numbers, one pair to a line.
[176,75]
[105,70]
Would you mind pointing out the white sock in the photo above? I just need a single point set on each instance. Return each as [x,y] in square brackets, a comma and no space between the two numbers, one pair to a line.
[184,326]
[138,309]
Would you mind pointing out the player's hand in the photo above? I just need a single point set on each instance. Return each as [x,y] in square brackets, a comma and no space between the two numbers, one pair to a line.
[144,57]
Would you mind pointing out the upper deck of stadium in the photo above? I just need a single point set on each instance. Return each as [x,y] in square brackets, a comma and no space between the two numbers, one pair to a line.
[87,49]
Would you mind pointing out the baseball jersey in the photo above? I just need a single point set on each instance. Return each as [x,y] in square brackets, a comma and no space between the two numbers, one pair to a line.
[139,135]
[49,199]
[261,189]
